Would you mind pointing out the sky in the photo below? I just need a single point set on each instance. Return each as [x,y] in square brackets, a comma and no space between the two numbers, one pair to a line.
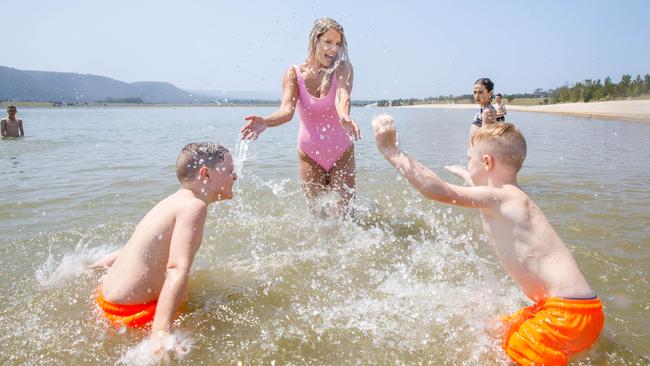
[399,49]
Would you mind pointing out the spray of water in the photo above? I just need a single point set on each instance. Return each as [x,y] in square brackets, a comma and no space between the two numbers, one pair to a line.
[241,155]
[74,263]
[411,283]
[174,347]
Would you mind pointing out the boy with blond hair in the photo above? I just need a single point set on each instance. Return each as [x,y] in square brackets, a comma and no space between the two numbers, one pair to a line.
[567,316]
[147,278]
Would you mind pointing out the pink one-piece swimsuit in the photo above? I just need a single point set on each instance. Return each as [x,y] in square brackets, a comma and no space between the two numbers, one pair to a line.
[321,136]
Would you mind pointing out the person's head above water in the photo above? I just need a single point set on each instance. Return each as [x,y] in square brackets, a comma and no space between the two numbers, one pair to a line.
[498,97]
[209,163]
[483,89]
[497,147]
[11,109]
[328,48]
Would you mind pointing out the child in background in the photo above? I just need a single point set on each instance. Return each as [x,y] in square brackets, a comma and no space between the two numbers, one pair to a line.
[500,108]
[567,316]
[483,89]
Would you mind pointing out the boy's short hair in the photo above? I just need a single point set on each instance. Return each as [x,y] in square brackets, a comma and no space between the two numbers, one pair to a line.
[11,107]
[505,141]
[196,155]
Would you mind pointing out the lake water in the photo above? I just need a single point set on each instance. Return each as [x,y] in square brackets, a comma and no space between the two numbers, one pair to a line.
[415,283]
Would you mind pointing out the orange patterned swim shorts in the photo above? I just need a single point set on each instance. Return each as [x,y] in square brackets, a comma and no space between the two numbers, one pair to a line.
[552,330]
[129,315]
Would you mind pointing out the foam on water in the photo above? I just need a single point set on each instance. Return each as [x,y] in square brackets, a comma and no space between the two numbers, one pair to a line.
[402,282]
[56,272]
[272,282]
[174,347]
[408,281]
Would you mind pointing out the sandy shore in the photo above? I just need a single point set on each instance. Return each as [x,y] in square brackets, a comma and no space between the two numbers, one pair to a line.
[633,110]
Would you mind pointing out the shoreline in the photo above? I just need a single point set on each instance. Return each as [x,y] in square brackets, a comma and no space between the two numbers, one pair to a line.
[39,105]
[628,110]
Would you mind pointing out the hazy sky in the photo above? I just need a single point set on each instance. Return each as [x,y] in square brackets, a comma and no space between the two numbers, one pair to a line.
[398,48]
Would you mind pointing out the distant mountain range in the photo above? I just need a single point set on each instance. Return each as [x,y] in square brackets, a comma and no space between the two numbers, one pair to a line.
[63,87]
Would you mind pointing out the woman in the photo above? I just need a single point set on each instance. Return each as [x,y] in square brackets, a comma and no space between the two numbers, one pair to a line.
[321,88]
[483,89]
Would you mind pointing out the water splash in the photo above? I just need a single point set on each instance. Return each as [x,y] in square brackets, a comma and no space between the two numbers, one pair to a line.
[174,347]
[54,273]
[241,155]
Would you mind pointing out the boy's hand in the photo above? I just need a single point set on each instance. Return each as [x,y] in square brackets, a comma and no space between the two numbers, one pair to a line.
[165,345]
[385,133]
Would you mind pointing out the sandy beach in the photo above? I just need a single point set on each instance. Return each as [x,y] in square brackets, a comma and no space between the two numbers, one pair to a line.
[633,110]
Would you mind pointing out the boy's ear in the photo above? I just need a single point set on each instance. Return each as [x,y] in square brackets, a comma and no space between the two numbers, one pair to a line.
[488,162]
[203,173]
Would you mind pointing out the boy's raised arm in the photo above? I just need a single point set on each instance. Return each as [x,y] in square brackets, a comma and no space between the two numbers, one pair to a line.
[186,238]
[422,178]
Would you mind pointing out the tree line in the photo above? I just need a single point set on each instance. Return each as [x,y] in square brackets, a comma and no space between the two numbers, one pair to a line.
[583,91]
[589,89]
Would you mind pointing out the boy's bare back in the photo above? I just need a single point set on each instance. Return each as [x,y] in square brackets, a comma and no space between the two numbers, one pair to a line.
[529,248]
[138,274]
[147,278]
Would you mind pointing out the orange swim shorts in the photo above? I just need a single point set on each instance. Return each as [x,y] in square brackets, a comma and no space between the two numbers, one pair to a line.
[129,315]
[552,330]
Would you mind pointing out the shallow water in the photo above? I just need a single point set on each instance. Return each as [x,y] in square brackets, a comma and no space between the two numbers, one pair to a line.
[411,283]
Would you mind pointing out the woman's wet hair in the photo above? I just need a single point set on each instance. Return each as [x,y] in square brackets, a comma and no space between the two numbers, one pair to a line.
[486,82]
[321,26]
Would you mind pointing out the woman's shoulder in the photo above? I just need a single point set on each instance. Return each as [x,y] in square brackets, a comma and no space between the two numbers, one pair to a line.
[292,71]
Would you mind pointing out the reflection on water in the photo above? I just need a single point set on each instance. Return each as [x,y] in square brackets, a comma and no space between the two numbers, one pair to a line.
[410,282]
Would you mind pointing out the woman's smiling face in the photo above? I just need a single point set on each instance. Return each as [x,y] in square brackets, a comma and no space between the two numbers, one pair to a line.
[327,47]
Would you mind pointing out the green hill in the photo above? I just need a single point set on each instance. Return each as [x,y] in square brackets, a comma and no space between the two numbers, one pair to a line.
[45,86]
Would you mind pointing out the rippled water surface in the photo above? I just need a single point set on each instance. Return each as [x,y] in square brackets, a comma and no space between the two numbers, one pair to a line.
[411,282]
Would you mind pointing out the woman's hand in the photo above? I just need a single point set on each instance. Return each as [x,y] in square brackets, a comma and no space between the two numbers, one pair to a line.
[349,125]
[253,129]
